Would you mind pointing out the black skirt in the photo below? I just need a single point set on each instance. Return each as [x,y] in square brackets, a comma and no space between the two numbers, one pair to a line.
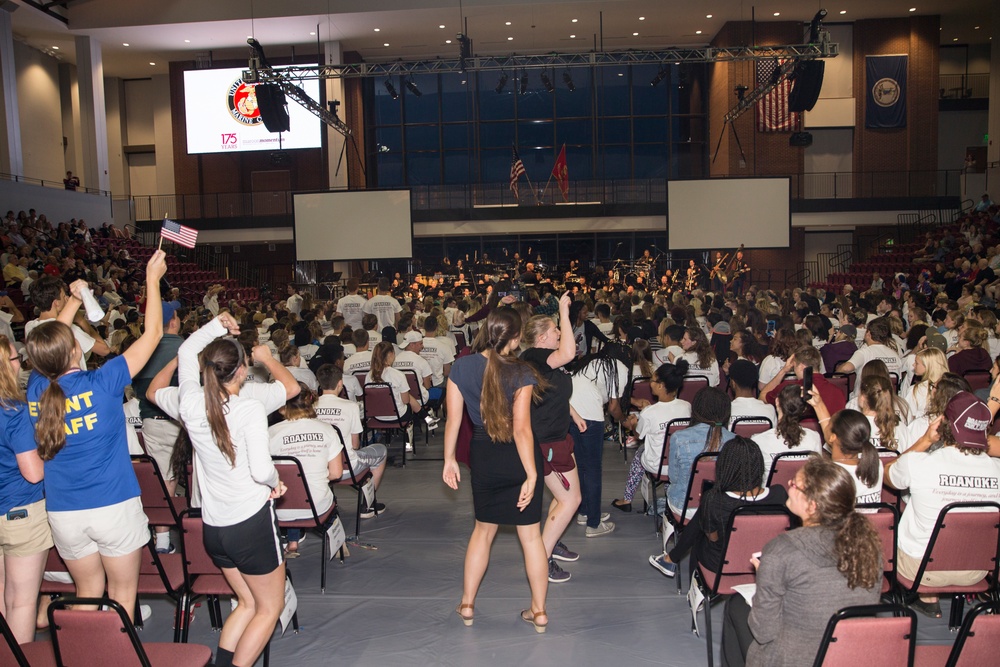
[497,476]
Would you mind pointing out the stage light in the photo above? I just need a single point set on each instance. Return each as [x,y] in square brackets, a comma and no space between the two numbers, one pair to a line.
[412,87]
[524,82]
[391,89]
[569,82]
[547,83]
[660,76]
[501,83]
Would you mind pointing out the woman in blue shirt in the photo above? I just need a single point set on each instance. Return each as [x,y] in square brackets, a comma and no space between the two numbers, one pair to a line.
[25,539]
[710,411]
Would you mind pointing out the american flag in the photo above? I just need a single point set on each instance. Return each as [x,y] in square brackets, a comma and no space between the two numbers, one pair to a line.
[178,233]
[516,172]
[772,109]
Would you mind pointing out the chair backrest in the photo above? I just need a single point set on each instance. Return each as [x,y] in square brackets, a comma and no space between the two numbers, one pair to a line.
[750,527]
[748,427]
[977,641]
[152,489]
[106,638]
[966,537]
[360,377]
[842,382]
[196,558]
[673,426]
[978,379]
[460,343]
[692,385]
[894,379]
[10,652]
[414,383]
[701,480]
[379,401]
[889,495]
[856,636]
[297,495]
[886,522]
[641,389]
[785,466]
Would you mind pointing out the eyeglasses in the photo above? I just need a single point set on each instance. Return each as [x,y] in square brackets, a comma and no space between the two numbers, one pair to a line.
[793,485]
[15,358]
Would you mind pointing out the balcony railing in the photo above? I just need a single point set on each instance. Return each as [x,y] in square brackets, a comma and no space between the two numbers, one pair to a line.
[827,185]
[58,185]
[964,86]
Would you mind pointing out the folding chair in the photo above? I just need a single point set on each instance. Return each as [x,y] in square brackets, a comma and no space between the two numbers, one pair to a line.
[702,478]
[748,427]
[381,413]
[161,574]
[55,563]
[894,379]
[298,497]
[29,654]
[641,390]
[160,507]
[661,476]
[844,382]
[785,466]
[692,385]
[975,645]
[460,342]
[88,638]
[890,495]
[858,636]
[966,537]
[750,527]
[415,390]
[978,379]
[885,519]
[357,479]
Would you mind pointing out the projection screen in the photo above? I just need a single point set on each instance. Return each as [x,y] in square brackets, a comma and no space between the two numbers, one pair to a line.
[352,225]
[723,212]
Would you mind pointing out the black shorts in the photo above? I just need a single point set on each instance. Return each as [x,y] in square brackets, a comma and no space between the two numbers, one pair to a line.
[251,546]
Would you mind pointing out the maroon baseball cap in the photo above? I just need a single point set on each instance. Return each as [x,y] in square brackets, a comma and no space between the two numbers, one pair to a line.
[969,419]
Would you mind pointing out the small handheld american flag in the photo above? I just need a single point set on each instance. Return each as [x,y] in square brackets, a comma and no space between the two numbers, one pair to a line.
[178,233]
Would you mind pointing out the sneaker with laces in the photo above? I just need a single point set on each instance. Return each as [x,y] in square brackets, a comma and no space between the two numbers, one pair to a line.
[560,552]
[603,528]
[169,550]
[581,519]
[409,448]
[663,565]
[631,442]
[557,575]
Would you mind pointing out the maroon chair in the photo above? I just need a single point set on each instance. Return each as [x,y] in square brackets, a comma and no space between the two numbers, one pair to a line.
[95,638]
[460,342]
[161,574]
[55,563]
[750,527]
[748,427]
[785,465]
[161,509]
[885,519]
[890,495]
[356,480]
[858,636]
[381,413]
[641,390]
[843,382]
[413,382]
[978,379]
[976,644]
[702,478]
[661,476]
[692,385]
[29,654]
[966,537]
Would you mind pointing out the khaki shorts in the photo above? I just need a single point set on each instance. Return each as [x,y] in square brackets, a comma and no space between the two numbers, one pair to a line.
[27,536]
[160,436]
[114,530]
[907,566]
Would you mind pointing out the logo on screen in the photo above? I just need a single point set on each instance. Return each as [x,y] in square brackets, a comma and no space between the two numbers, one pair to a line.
[242,101]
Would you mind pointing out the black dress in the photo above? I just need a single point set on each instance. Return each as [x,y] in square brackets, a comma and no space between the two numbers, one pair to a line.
[497,473]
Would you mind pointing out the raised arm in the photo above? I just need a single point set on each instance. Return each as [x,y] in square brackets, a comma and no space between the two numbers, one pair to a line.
[140,351]
[187,355]
[258,446]
[567,344]
[161,380]
[262,355]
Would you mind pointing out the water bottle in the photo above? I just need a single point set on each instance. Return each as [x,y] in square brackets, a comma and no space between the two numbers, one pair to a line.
[94,311]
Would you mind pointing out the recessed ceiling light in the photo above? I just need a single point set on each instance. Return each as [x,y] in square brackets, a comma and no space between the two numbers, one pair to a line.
[572,36]
[510,39]
[954,39]
[697,32]
[447,41]
[312,33]
[152,64]
[635,34]
[441,26]
[124,43]
[642,18]
[574,20]
[913,9]
[56,48]
[777,13]
[186,41]
[708,16]
[249,36]
[507,23]
[378,29]
[976,28]
[843,11]
[620,74]
[385,44]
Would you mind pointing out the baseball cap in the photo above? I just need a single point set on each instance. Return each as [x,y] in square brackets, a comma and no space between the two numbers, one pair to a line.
[934,339]
[850,331]
[412,337]
[169,308]
[969,419]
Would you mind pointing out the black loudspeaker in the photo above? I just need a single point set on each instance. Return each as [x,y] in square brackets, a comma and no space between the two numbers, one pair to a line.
[800,139]
[271,101]
[808,82]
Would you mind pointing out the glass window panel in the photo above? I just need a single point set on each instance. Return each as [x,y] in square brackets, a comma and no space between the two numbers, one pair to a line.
[495,165]
[648,100]
[457,135]
[577,246]
[389,139]
[574,132]
[387,110]
[456,97]
[494,106]
[535,133]
[423,108]
[390,170]
[574,104]
[495,135]
[423,168]
[463,248]
[650,130]
[539,248]
[616,163]
[422,138]
[580,164]
[651,161]
[537,103]
[459,168]
[612,91]
[616,131]
[688,160]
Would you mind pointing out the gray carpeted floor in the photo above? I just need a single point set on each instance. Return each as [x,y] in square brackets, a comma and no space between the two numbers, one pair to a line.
[395,604]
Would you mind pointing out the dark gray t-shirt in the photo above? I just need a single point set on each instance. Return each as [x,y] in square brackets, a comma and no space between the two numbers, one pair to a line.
[467,374]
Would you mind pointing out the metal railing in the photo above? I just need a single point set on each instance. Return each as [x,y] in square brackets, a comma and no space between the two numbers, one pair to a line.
[964,86]
[57,185]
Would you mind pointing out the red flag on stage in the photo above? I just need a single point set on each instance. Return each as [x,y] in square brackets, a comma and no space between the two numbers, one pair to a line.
[561,174]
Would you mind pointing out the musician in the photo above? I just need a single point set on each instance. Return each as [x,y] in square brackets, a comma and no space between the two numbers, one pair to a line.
[646,261]
[741,273]
[529,277]
[692,279]
[665,283]
[719,277]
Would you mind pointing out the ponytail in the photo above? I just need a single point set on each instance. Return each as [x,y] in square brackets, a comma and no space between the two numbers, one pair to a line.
[380,357]
[51,348]
[221,359]
[792,406]
[859,551]
[498,417]
[868,464]
[50,432]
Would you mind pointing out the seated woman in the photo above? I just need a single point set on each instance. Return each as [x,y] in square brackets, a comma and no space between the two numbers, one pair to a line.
[929,364]
[699,355]
[382,371]
[938,397]
[737,482]
[710,410]
[788,434]
[964,454]
[651,425]
[971,354]
[879,403]
[848,435]
[805,575]
[317,447]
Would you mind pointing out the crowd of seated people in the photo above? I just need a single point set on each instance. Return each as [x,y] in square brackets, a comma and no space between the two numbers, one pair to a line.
[892,368]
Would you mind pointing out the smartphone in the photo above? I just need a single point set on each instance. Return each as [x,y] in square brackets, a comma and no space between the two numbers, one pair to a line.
[502,294]
[771,328]
[807,382]
[14,515]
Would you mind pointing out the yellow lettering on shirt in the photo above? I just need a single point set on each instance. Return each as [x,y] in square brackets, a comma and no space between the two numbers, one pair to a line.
[77,424]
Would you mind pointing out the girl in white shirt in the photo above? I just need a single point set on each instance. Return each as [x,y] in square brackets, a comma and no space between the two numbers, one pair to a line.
[382,371]
[929,364]
[699,355]
[788,434]
[848,433]
[888,426]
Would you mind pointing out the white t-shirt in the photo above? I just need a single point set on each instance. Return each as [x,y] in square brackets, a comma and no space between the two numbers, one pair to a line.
[771,444]
[360,362]
[133,419]
[935,480]
[437,356]
[592,389]
[346,416]
[865,495]
[314,443]
[744,406]
[652,428]
[352,309]
[82,337]
[662,356]
[303,375]
[902,435]
[868,353]
[711,372]
[411,361]
[399,387]
[384,307]
[769,368]
[916,399]
[294,304]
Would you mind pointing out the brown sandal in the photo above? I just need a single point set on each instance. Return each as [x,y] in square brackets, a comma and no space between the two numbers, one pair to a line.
[465,619]
[532,618]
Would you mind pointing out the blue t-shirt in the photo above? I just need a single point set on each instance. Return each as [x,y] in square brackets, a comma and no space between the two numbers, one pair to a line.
[94,468]
[16,437]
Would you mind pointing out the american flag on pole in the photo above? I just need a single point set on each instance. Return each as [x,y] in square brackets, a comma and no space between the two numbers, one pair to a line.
[178,233]
[516,172]
[772,109]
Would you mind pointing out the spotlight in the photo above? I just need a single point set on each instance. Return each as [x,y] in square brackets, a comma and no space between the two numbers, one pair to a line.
[547,83]
[569,82]
[815,25]
[660,76]
[465,50]
[392,90]
[524,82]
[741,91]
[501,83]
[412,87]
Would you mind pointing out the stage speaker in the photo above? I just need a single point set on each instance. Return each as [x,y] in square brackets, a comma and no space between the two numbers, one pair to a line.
[805,91]
[271,101]
[800,139]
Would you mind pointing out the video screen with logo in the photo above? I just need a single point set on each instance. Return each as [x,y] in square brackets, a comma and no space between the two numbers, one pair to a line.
[223,116]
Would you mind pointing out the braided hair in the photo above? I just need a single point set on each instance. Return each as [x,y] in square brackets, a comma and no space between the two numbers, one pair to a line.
[739,469]
[712,406]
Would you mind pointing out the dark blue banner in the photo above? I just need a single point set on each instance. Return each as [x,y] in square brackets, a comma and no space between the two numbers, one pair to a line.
[885,102]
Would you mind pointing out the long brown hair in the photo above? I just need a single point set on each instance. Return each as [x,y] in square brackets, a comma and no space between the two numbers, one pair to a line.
[701,347]
[220,361]
[380,359]
[854,437]
[856,546]
[789,427]
[877,394]
[51,348]
[502,326]
[10,390]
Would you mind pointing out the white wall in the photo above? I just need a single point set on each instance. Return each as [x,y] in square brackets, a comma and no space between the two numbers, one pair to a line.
[142,174]
[41,115]
[163,135]
[58,205]
[957,130]
[117,165]
[139,111]
[819,242]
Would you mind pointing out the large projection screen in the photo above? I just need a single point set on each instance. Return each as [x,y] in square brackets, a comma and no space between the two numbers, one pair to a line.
[352,225]
[724,212]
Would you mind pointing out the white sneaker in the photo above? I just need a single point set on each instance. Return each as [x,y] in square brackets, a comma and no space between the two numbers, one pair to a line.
[145,611]
[409,448]
[581,519]
[603,528]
